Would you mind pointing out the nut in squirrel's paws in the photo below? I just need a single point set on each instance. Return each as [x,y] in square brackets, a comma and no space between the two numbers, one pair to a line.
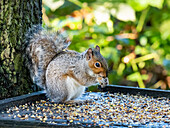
[103,81]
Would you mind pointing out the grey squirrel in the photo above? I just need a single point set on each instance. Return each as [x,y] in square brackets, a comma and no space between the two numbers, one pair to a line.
[64,74]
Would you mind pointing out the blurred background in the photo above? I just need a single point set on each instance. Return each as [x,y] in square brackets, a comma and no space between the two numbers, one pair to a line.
[134,36]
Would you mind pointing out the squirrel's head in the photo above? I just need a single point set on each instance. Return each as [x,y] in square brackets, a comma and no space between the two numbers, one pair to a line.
[98,65]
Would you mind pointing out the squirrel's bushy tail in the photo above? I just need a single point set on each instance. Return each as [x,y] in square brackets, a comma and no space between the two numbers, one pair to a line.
[41,47]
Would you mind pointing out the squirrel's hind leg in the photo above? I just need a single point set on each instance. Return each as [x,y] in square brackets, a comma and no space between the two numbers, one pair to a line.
[56,90]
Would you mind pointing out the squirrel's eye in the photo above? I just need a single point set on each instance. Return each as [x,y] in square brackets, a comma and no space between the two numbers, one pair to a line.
[97,65]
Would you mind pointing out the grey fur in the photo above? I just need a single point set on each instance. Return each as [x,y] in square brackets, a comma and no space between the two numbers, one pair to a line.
[63,73]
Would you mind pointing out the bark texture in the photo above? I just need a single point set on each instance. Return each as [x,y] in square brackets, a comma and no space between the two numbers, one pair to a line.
[16,16]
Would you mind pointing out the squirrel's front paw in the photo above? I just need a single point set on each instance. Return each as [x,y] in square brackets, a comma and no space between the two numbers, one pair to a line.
[103,81]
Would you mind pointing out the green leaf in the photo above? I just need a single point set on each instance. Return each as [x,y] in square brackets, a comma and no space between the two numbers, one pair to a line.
[143,40]
[144,77]
[165,29]
[134,77]
[156,3]
[137,76]
[168,3]
[138,49]
[140,5]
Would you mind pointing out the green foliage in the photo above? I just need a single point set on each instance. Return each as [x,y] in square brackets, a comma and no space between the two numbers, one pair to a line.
[134,35]
[140,5]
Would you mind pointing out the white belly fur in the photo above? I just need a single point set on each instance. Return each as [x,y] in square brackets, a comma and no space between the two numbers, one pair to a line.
[74,88]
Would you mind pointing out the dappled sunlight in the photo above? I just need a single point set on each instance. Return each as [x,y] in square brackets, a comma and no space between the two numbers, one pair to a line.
[127,35]
[129,57]
[126,13]
[101,15]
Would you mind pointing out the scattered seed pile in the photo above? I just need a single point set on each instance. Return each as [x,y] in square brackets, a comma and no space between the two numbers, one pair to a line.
[101,109]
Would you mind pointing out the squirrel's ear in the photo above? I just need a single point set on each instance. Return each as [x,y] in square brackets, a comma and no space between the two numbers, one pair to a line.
[89,54]
[98,48]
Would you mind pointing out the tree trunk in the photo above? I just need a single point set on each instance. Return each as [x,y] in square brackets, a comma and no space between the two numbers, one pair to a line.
[16,16]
